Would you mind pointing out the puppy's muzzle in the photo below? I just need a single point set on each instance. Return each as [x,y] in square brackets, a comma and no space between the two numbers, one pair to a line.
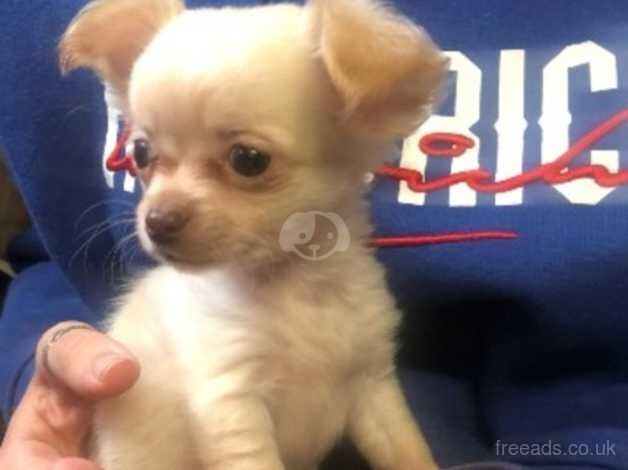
[164,224]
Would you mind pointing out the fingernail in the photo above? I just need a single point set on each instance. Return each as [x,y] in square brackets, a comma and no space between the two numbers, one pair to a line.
[104,363]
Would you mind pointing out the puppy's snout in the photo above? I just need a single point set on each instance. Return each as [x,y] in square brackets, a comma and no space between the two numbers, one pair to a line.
[164,223]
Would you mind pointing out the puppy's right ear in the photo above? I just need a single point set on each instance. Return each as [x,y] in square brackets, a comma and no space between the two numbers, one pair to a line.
[108,36]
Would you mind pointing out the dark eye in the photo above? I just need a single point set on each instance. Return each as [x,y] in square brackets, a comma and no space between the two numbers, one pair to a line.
[247,161]
[141,153]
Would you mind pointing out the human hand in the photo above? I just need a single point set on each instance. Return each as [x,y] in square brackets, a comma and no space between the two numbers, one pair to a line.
[76,367]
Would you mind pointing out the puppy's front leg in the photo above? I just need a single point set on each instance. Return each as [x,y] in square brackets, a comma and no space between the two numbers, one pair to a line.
[383,429]
[236,432]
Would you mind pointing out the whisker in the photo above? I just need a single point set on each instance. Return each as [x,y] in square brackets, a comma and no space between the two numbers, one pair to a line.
[117,253]
[100,204]
[99,225]
[86,244]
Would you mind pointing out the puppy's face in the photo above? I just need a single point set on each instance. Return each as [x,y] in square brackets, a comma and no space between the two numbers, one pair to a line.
[232,120]
[243,117]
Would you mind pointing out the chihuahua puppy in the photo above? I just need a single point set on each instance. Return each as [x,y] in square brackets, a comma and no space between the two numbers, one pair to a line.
[249,125]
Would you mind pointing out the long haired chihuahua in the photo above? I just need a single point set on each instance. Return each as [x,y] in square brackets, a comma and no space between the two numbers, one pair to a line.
[268,331]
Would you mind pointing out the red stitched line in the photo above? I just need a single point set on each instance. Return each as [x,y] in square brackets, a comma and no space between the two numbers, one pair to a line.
[440,238]
[452,145]
[117,163]
[555,172]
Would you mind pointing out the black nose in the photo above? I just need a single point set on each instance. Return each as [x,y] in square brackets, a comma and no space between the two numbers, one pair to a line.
[162,226]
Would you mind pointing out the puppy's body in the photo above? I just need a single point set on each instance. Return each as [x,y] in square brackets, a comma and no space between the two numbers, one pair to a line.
[286,365]
[253,357]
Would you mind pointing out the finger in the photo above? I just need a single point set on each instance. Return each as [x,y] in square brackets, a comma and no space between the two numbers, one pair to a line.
[48,423]
[89,363]
[74,464]
[33,455]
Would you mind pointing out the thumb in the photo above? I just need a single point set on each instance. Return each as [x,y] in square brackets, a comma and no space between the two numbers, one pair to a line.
[90,364]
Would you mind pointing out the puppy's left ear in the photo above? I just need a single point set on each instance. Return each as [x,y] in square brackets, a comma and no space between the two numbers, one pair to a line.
[386,70]
[108,36]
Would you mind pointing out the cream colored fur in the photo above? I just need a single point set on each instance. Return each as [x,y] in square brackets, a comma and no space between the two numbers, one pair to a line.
[253,358]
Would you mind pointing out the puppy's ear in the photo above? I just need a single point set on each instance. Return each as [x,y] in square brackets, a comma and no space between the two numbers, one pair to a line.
[386,69]
[108,36]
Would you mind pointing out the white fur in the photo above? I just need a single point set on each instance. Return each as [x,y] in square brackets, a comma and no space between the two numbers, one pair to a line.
[242,376]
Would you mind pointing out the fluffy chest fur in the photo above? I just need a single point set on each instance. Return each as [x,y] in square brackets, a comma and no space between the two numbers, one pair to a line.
[305,343]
